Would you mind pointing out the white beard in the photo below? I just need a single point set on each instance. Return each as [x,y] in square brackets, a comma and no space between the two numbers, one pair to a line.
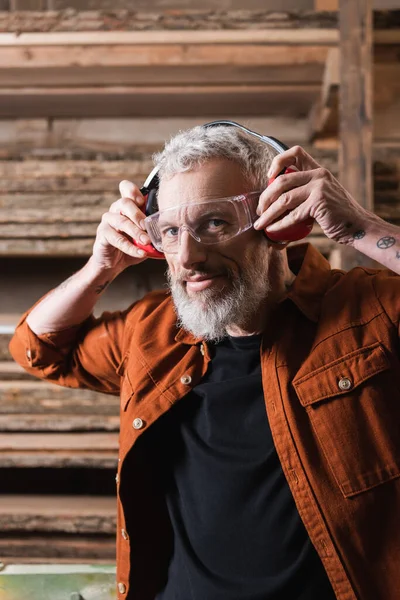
[210,313]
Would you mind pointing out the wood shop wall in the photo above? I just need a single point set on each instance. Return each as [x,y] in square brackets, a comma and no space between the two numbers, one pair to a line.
[88,91]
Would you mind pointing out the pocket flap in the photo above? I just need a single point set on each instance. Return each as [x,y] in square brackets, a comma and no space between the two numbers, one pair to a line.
[347,371]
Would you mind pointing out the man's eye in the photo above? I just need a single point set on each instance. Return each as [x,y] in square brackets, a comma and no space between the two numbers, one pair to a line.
[216,223]
[170,232]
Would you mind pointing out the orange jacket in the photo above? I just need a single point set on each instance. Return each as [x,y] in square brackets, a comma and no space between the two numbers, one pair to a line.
[331,375]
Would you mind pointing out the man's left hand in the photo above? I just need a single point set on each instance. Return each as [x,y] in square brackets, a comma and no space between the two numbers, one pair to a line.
[312,191]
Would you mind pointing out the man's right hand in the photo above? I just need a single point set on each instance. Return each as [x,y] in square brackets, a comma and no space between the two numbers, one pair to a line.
[113,247]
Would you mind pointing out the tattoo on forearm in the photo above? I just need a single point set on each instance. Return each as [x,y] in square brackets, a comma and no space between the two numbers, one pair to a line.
[102,287]
[358,235]
[386,242]
[64,284]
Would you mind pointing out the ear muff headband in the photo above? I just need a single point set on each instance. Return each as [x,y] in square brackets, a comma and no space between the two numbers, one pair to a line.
[152,182]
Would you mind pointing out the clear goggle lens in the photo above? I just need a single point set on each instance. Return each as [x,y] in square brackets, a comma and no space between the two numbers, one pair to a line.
[212,222]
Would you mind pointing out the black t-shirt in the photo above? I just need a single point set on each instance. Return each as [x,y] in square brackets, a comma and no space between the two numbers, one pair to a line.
[237,532]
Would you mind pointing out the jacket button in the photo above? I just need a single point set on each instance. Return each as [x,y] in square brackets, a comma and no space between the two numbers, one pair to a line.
[137,424]
[186,379]
[345,383]
[121,588]
[124,534]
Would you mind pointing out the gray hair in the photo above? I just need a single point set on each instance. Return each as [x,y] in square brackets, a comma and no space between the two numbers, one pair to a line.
[191,148]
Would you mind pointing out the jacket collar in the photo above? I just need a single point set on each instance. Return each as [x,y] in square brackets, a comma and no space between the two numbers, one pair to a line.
[312,272]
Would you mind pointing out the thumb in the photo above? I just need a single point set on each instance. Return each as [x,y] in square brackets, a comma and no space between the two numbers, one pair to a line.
[127,189]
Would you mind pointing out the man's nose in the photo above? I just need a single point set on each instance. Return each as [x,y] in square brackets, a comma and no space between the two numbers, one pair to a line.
[190,251]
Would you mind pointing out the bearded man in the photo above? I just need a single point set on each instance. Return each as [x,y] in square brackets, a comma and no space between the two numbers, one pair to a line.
[260,393]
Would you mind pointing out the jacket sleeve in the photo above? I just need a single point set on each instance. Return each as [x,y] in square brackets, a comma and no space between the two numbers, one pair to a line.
[83,356]
[387,289]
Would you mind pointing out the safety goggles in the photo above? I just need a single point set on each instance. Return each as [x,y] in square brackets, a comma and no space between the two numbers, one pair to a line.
[211,222]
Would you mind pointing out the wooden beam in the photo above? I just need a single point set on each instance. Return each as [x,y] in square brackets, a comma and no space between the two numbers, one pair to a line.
[177,54]
[151,18]
[66,514]
[323,117]
[272,36]
[57,548]
[183,101]
[161,75]
[355,156]
[53,247]
[41,397]
[60,450]
[112,143]
[63,423]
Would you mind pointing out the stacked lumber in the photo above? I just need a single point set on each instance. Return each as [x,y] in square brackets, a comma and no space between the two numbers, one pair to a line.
[87,96]
[54,206]
[46,429]
[57,528]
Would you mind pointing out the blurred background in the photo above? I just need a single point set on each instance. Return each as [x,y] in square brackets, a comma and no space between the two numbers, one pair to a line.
[88,90]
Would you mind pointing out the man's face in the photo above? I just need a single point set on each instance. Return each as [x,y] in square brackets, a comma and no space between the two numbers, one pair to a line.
[214,286]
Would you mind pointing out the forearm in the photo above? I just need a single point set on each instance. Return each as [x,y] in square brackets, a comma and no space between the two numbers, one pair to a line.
[71,302]
[380,241]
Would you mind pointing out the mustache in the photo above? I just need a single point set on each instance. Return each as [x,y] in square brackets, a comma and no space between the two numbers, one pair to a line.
[184,274]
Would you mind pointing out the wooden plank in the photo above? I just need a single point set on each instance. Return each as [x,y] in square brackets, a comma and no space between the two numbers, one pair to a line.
[184,54]
[57,548]
[186,18]
[183,4]
[10,370]
[127,137]
[61,229]
[270,36]
[40,397]
[162,75]
[71,442]
[157,103]
[28,4]
[184,101]
[51,247]
[62,422]
[58,450]
[67,514]
[37,42]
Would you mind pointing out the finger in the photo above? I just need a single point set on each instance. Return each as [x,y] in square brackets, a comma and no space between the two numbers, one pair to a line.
[286,202]
[296,156]
[127,189]
[300,213]
[119,241]
[128,208]
[122,224]
[282,184]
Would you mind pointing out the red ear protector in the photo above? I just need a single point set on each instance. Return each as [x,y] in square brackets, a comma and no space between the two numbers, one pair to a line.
[289,234]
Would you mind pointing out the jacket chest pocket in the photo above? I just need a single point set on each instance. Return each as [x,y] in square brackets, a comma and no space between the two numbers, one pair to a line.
[354,407]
